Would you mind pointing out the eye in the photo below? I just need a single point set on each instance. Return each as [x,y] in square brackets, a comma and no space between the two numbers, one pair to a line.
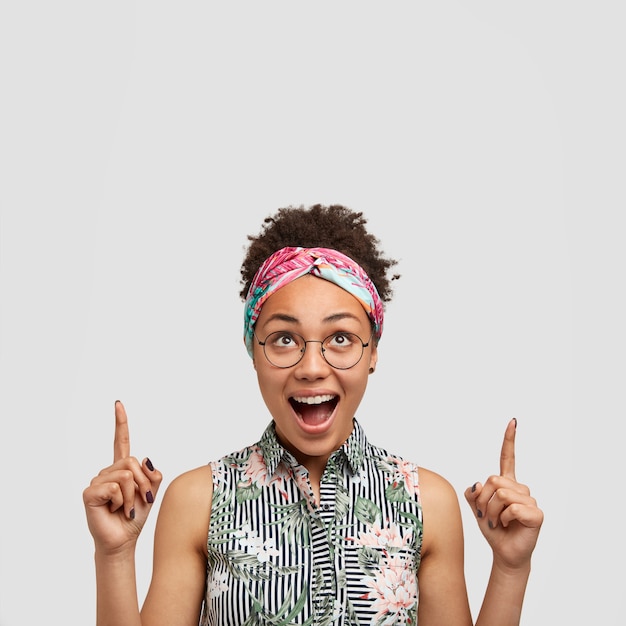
[341,340]
[282,339]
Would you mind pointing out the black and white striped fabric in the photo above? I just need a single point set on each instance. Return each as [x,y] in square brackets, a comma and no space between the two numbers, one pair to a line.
[276,556]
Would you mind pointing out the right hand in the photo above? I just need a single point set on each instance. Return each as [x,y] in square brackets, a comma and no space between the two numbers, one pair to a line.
[119,499]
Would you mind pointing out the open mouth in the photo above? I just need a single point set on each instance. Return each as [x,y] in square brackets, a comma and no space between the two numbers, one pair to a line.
[314,409]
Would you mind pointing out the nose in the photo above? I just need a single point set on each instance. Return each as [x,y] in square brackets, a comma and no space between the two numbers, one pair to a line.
[312,364]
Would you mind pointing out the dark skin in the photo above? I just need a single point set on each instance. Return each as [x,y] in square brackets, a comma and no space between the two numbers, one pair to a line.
[119,499]
[180,558]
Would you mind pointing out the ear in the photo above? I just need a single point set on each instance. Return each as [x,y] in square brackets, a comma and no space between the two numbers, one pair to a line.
[373,359]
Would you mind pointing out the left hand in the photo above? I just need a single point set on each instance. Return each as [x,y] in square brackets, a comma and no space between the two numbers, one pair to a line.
[507,514]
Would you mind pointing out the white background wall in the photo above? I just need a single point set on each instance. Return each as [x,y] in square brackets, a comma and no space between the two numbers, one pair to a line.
[140,142]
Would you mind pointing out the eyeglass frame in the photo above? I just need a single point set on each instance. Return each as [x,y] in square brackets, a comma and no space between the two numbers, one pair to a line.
[322,349]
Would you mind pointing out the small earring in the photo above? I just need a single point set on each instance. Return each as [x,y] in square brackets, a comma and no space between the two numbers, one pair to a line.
[371,370]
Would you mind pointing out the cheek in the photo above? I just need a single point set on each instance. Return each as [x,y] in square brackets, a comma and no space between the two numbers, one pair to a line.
[260,376]
[357,381]
[268,378]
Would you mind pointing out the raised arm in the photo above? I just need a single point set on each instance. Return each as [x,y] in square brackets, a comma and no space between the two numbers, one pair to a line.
[117,503]
[510,520]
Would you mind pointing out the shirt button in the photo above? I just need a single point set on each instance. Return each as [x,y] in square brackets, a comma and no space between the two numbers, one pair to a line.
[326,507]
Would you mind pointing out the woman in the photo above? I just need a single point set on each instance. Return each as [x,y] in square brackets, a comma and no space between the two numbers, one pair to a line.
[312,524]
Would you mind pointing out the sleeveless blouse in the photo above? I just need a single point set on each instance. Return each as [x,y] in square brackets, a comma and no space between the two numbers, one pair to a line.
[277,557]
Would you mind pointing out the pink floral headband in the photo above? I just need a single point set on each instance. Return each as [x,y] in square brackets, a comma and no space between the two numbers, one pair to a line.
[287,264]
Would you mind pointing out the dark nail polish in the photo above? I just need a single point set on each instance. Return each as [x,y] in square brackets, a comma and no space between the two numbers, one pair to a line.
[474,487]
[149,497]
[490,524]
[515,420]
[479,513]
[149,465]
[132,513]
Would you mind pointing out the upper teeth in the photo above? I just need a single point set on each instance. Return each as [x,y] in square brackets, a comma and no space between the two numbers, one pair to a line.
[314,399]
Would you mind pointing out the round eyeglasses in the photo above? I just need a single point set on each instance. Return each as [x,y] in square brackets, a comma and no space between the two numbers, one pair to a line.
[340,350]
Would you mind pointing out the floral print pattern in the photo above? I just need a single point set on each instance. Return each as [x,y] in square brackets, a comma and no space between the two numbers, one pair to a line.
[278,557]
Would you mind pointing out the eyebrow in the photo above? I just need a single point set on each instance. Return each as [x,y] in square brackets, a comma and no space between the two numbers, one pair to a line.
[335,317]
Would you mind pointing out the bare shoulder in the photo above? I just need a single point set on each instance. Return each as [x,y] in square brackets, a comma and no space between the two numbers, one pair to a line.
[435,488]
[195,483]
[186,505]
[180,550]
[441,510]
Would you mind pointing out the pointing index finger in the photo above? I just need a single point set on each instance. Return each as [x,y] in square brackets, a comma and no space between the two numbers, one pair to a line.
[121,444]
[507,455]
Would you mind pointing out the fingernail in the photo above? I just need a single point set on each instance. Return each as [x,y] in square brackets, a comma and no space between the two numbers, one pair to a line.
[474,487]
[490,524]
[117,401]
[515,420]
[149,497]
[132,513]
[149,465]
[479,513]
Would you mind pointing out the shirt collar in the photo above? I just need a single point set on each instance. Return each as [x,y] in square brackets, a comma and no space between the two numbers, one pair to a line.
[352,450]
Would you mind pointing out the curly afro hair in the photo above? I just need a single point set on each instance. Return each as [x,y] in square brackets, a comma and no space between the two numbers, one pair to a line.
[335,226]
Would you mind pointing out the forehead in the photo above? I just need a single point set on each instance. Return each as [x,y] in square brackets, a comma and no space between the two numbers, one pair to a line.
[310,300]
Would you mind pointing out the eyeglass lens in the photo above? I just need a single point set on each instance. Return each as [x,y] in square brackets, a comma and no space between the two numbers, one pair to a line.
[341,350]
